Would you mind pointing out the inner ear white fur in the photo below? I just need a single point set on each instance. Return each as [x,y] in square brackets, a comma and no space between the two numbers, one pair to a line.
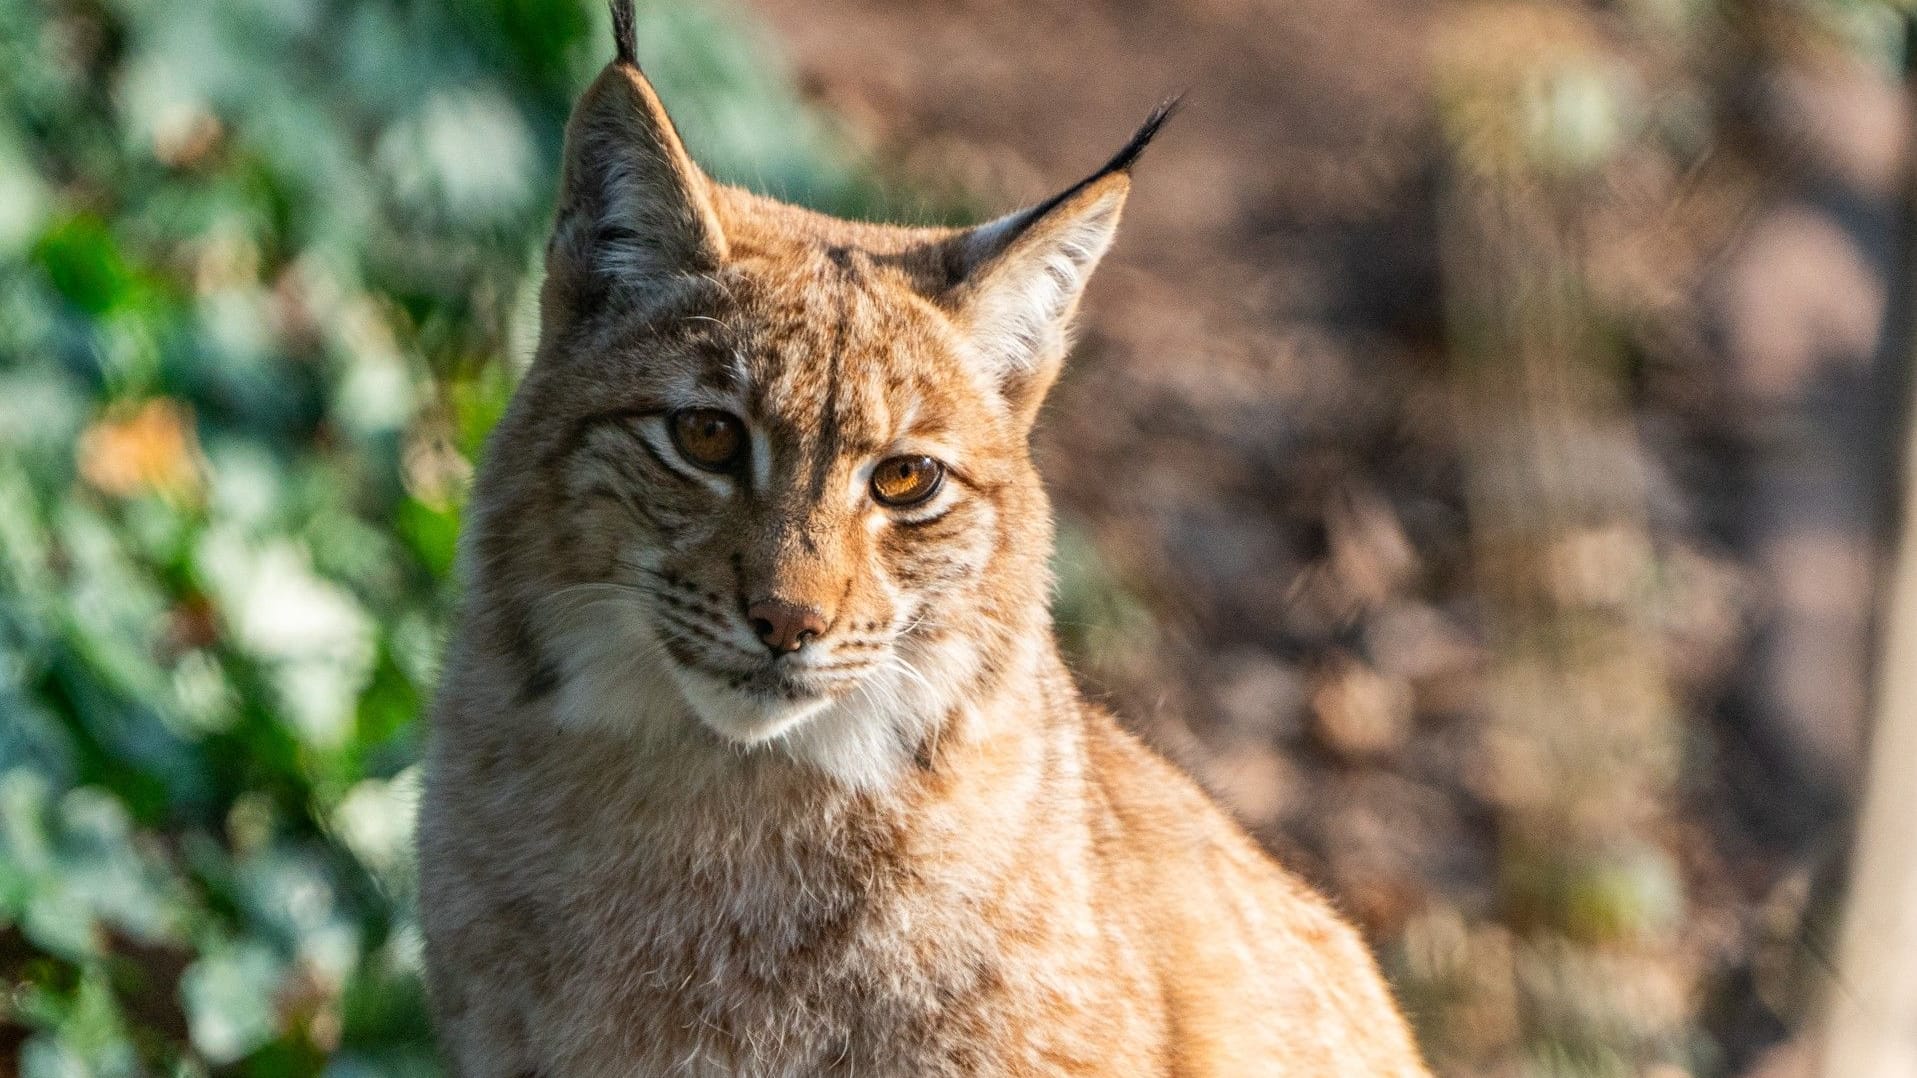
[1018,307]
[635,211]
[1013,284]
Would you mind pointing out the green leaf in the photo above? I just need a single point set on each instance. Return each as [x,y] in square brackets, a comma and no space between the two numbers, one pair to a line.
[229,1000]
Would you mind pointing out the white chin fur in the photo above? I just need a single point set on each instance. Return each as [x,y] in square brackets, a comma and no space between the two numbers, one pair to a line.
[616,678]
[741,718]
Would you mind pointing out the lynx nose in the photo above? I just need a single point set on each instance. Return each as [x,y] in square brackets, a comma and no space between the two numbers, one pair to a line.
[785,627]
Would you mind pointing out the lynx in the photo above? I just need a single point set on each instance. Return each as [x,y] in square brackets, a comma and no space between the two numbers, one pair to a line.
[755,755]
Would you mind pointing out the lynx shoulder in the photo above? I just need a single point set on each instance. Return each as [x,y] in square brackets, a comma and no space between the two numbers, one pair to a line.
[754,753]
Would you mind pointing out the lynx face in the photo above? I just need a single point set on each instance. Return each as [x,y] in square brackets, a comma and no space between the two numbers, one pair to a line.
[800,492]
[768,475]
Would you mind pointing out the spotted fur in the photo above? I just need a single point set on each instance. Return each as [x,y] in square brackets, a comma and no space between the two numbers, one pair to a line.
[651,846]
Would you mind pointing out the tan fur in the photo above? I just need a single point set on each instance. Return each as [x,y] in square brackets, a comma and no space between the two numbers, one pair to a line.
[910,848]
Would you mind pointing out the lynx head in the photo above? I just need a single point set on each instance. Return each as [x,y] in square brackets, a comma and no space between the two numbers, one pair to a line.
[768,478]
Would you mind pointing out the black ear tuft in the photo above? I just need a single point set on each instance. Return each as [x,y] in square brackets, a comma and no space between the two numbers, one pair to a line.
[1129,154]
[624,37]
[1122,161]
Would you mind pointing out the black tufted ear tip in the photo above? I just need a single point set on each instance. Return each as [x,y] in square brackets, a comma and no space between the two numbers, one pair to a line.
[1130,152]
[1122,161]
[624,37]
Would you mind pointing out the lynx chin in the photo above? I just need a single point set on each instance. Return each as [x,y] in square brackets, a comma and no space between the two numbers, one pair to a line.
[755,754]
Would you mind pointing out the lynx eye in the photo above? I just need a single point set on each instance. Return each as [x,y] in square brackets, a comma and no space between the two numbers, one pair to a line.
[708,437]
[904,481]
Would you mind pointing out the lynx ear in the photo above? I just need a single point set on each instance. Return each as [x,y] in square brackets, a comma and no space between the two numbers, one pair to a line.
[636,219]
[1016,281]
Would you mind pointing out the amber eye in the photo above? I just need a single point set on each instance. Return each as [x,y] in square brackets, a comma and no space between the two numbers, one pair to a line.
[903,481]
[708,437]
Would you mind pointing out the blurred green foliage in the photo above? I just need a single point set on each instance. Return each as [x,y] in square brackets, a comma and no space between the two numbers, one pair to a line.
[267,269]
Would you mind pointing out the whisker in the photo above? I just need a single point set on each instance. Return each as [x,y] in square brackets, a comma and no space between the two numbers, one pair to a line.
[597,585]
[905,667]
[832,668]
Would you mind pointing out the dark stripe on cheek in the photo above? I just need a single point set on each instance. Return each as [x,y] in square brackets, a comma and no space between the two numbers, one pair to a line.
[659,460]
[584,428]
[585,445]
[539,675]
[932,572]
[921,545]
[691,627]
[541,683]
[638,511]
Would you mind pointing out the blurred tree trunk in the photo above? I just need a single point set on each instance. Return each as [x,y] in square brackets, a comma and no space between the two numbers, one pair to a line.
[1872,1029]
[1583,746]
[1871,1012]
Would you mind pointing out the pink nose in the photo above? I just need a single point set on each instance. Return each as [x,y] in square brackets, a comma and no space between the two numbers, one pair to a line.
[785,627]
